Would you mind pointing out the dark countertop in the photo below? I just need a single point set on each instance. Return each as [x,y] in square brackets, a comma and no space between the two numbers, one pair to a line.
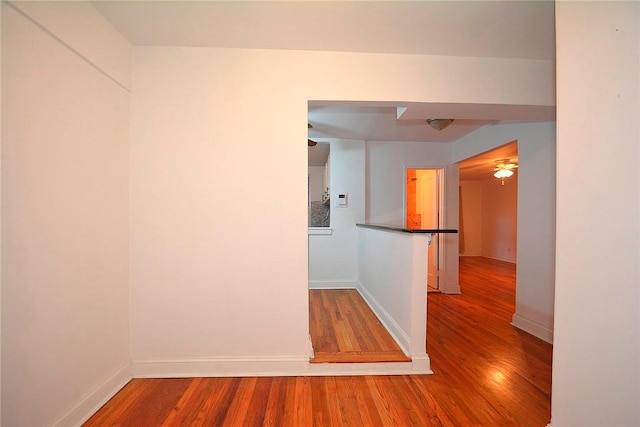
[408,230]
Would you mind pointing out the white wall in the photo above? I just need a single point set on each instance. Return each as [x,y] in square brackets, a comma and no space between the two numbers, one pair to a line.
[85,30]
[489,211]
[210,280]
[499,218]
[471,217]
[392,270]
[536,216]
[65,256]
[535,276]
[316,184]
[596,360]
[333,258]
[1,221]
[386,180]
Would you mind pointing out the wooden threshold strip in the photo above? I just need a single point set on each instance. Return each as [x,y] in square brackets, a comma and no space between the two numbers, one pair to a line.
[360,357]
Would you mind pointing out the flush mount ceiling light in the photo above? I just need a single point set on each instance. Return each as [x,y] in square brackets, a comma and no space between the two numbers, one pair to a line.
[504,169]
[439,124]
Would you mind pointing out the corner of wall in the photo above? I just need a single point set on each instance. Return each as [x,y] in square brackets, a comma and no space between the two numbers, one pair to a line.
[103,47]
[453,289]
[399,335]
[86,407]
[534,328]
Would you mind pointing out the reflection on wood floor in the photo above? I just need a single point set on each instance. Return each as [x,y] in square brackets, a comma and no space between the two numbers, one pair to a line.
[344,329]
[502,374]
[487,373]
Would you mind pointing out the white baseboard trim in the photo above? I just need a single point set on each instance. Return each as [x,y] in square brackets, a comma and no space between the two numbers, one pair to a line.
[332,284]
[510,261]
[450,290]
[415,367]
[220,367]
[421,363]
[90,404]
[534,328]
[398,334]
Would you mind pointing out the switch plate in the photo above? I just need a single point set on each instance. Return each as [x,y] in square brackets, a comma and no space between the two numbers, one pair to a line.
[343,200]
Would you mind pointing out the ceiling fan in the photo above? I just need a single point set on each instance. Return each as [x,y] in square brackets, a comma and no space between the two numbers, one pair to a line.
[310,143]
[504,168]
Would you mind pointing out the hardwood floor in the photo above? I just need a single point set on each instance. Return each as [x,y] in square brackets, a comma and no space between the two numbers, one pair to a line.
[344,329]
[487,373]
[471,342]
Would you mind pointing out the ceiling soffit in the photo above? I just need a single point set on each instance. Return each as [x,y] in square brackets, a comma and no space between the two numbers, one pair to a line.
[407,122]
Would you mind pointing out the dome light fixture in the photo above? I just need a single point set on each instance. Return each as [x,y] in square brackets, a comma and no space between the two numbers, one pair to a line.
[439,124]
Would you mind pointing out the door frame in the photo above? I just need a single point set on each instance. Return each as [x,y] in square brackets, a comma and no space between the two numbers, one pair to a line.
[440,177]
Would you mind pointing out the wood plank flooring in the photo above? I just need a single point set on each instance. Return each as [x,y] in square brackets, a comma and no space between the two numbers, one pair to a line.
[344,329]
[487,373]
[471,342]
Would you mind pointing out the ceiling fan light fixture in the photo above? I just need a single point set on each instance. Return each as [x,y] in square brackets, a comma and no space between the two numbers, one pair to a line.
[503,173]
[504,169]
[439,124]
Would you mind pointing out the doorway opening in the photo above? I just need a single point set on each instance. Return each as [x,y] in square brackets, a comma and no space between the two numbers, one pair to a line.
[423,210]
[488,206]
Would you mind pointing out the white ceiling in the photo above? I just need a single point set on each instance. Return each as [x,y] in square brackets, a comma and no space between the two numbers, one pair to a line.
[482,166]
[407,121]
[502,29]
[319,154]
